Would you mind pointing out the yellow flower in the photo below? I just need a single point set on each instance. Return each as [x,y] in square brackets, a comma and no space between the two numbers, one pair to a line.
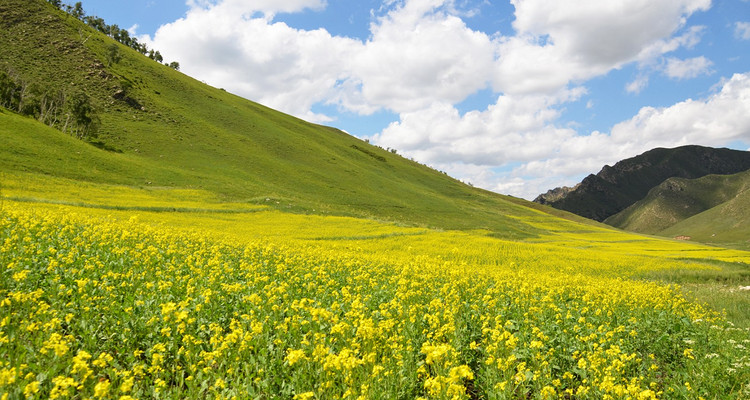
[547,392]
[304,396]
[295,356]
[31,389]
[127,384]
[101,389]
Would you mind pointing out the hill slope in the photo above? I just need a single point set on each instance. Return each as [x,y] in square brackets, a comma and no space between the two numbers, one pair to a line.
[726,224]
[677,199]
[166,129]
[615,188]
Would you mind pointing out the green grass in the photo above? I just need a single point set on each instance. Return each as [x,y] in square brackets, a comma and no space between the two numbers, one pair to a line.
[727,224]
[713,209]
[719,288]
[238,155]
[191,135]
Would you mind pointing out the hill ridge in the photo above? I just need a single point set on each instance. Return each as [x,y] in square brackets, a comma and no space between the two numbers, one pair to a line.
[187,134]
[616,187]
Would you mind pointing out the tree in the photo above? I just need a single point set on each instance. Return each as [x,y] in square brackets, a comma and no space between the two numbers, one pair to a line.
[30,103]
[114,32]
[10,92]
[175,65]
[97,23]
[77,11]
[81,112]
[113,54]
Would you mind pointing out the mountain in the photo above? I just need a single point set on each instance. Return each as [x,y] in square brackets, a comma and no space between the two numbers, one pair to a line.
[156,127]
[617,187]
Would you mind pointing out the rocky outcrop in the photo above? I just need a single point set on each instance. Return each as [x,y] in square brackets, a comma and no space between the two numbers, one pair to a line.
[554,195]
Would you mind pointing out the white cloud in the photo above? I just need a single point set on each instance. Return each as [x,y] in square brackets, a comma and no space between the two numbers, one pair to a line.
[520,132]
[689,68]
[717,120]
[638,84]
[418,55]
[132,30]
[742,30]
[267,7]
[422,59]
[689,39]
[514,129]
[574,40]
[281,67]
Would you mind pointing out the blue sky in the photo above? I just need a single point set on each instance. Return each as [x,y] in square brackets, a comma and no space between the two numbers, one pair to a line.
[514,96]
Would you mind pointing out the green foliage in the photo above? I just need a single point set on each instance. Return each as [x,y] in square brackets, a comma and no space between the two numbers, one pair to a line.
[10,91]
[69,112]
[113,54]
[80,111]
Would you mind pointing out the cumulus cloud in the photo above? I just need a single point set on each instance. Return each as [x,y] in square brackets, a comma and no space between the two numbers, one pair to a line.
[267,7]
[419,51]
[419,54]
[716,120]
[279,66]
[514,129]
[638,84]
[573,40]
[421,59]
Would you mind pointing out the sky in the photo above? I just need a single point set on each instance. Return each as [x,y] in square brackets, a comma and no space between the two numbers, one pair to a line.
[517,96]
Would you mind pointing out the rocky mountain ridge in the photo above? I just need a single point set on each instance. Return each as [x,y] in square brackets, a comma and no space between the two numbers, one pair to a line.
[616,187]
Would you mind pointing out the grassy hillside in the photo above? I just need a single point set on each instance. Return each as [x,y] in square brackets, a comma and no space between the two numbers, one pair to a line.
[170,130]
[677,199]
[727,224]
[206,247]
[711,209]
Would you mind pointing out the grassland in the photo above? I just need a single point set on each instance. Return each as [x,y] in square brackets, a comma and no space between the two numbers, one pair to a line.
[124,296]
[209,247]
[189,135]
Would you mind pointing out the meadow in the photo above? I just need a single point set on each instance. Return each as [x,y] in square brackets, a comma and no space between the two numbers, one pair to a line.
[123,296]
[208,247]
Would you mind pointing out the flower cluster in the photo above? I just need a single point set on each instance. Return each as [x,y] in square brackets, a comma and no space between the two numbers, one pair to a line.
[97,308]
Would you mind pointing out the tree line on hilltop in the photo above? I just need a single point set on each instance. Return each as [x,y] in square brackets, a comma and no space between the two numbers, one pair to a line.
[113,31]
[69,110]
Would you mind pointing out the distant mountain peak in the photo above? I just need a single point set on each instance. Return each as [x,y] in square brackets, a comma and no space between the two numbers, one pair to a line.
[555,194]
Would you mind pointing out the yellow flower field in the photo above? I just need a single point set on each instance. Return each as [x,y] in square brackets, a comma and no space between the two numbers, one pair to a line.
[140,305]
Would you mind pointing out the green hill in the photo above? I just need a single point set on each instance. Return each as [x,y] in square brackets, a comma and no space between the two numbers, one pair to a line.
[712,208]
[158,127]
[727,224]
